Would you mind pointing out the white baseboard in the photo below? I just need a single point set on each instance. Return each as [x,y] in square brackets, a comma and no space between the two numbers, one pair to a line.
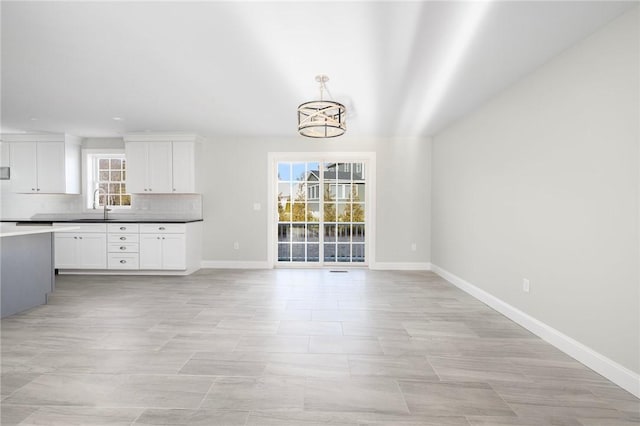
[599,363]
[401,266]
[234,264]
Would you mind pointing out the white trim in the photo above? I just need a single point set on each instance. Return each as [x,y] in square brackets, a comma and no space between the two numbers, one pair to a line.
[370,198]
[401,266]
[599,363]
[235,264]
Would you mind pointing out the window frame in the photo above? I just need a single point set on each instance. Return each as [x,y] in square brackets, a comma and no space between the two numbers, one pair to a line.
[90,174]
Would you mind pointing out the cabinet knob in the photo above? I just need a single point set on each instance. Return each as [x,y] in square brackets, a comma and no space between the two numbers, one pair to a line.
[123,248]
[174,190]
[123,238]
[122,228]
[158,238]
[38,189]
[150,189]
[123,261]
[145,190]
[163,238]
[75,238]
[162,228]
[33,189]
[80,237]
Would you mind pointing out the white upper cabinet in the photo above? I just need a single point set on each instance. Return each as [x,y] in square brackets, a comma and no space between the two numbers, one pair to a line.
[162,164]
[44,164]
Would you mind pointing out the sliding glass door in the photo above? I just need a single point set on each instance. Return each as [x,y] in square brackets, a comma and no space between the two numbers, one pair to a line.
[322,212]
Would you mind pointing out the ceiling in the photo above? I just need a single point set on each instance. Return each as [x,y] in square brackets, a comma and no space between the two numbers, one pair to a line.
[241,68]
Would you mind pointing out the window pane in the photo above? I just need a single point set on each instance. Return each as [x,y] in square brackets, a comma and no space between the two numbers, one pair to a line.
[358,192]
[344,172]
[104,176]
[357,212]
[344,233]
[344,252]
[116,176]
[358,171]
[283,232]
[298,233]
[313,172]
[329,252]
[313,252]
[297,252]
[103,164]
[344,212]
[313,233]
[298,212]
[330,212]
[284,252]
[358,233]
[358,253]
[126,200]
[299,171]
[284,171]
[313,212]
[329,170]
[330,233]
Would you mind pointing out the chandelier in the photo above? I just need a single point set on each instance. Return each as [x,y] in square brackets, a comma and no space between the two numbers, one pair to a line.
[323,118]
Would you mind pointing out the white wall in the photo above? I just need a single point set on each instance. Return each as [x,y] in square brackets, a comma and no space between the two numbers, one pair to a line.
[235,178]
[542,183]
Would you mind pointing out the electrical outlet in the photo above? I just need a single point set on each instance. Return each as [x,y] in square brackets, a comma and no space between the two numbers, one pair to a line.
[526,285]
[236,246]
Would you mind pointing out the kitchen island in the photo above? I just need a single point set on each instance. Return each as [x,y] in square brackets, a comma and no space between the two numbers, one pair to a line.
[26,266]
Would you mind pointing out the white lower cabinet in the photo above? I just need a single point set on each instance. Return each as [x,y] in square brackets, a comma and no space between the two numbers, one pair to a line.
[85,248]
[122,246]
[155,247]
[163,246]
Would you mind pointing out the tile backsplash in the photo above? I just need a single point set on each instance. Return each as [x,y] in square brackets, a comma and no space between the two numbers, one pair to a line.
[189,205]
[24,206]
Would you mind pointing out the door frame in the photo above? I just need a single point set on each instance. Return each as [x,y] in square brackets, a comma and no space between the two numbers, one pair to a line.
[370,202]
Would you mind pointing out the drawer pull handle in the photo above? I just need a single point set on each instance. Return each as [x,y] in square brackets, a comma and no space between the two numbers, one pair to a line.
[162,228]
[123,238]
[123,261]
[123,228]
[123,248]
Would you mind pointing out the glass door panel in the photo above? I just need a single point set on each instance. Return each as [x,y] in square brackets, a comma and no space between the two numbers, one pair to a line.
[321,212]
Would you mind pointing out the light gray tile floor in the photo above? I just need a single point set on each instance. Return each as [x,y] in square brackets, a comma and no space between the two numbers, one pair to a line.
[289,347]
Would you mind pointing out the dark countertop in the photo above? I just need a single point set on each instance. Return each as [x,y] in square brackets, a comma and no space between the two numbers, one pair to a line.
[46,219]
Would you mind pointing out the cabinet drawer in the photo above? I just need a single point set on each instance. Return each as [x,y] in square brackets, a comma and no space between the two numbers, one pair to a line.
[122,238]
[122,228]
[162,228]
[123,248]
[122,261]
[83,227]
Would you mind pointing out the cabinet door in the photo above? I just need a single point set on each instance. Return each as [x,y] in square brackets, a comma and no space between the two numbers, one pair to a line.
[184,173]
[50,167]
[66,250]
[92,251]
[173,251]
[160,167]
[137,167]
[23,167]
[150,251]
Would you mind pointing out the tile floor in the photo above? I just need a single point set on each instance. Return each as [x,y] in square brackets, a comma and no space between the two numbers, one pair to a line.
[289,347]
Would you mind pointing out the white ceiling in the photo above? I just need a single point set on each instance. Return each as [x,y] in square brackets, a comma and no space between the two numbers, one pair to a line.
[241,68]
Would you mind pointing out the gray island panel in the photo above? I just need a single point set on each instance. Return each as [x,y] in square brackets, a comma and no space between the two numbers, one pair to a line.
[26,271]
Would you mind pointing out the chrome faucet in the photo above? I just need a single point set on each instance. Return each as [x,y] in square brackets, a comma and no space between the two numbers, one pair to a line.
[106,210]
